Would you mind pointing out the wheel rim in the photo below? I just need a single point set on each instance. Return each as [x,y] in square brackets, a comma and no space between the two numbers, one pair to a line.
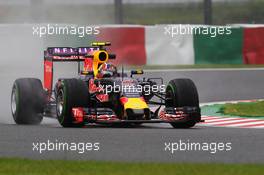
[60,103]
[14,101]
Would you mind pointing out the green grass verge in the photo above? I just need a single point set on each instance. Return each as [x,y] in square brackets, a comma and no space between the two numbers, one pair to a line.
[251,109]
[56,167]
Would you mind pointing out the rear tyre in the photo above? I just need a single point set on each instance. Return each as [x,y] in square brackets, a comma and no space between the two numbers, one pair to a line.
[180,93]
[72,93]
[27,101]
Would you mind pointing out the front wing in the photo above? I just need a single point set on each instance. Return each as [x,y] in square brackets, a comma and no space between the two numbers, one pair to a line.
[107,116]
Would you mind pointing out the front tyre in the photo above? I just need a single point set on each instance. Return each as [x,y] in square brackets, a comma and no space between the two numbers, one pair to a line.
[181,93]
[27,101]
[72,93]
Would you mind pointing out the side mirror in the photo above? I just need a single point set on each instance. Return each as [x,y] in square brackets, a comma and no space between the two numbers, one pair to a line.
[136,72]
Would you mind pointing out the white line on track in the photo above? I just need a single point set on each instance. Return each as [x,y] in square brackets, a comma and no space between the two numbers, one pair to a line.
[250,123]
[222,119]
[230,122]
[234,101]
[204,69]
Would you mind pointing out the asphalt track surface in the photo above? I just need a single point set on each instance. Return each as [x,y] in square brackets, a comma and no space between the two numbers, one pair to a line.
[146,143]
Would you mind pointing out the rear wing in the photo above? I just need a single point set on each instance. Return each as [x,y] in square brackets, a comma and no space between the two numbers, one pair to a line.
[63,54]
[92,57]
[68,53]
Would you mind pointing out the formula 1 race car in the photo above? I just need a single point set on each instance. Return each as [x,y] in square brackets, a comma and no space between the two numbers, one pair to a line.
[101,94]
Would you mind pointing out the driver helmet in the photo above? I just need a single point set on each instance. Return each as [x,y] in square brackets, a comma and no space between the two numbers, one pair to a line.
[106,70]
